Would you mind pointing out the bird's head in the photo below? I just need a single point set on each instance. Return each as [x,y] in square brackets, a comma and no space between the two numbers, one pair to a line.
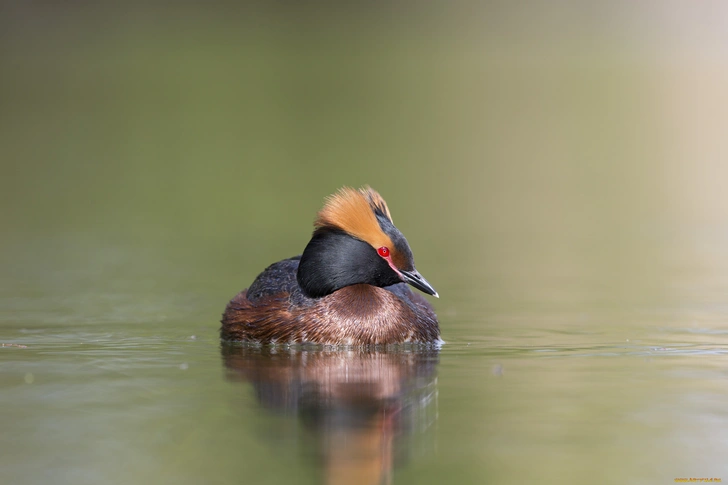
[355,241]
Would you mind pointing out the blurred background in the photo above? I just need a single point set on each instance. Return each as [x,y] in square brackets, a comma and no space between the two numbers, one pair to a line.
[559,169]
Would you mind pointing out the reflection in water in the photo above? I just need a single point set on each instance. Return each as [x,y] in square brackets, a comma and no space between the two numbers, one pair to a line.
[364,409]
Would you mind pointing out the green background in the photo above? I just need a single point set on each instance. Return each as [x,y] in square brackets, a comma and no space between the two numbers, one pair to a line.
[558,168]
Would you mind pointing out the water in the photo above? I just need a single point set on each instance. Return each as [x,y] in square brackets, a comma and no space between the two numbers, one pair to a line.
[523,390]
[559,178]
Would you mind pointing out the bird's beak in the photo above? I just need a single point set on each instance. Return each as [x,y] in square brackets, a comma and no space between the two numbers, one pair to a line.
[415,279]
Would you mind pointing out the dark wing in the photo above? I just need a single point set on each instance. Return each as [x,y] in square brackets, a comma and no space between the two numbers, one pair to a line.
[279,277]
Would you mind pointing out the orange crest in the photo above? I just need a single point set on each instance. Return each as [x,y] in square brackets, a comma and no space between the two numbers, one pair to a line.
[353,211]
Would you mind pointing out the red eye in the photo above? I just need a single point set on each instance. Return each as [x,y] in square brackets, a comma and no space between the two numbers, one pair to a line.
[383,251]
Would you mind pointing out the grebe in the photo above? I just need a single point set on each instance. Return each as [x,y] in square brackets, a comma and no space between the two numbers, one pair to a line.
[349,287]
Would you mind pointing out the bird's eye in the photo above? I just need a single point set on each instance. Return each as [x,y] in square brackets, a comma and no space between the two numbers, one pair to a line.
[383,251]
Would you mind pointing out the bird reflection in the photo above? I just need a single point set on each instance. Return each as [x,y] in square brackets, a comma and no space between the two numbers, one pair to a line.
[364,412]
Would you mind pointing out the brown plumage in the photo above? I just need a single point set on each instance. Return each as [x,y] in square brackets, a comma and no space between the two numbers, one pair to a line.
[354,315]
[348,287]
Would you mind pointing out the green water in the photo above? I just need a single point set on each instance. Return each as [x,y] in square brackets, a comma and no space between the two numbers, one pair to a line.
[558,173]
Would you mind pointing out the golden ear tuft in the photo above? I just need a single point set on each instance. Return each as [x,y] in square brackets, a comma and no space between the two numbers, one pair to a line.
[354,211]
[376,201]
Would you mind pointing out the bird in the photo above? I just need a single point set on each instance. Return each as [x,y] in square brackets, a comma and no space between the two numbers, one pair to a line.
[349,287]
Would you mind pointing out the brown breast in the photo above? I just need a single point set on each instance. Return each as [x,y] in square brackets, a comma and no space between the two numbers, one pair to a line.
[354,315]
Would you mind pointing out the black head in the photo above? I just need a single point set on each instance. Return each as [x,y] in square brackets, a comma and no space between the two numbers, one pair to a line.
[356,242]
[333,259]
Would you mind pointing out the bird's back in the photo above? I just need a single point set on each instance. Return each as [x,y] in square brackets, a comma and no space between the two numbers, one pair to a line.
[279,277]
